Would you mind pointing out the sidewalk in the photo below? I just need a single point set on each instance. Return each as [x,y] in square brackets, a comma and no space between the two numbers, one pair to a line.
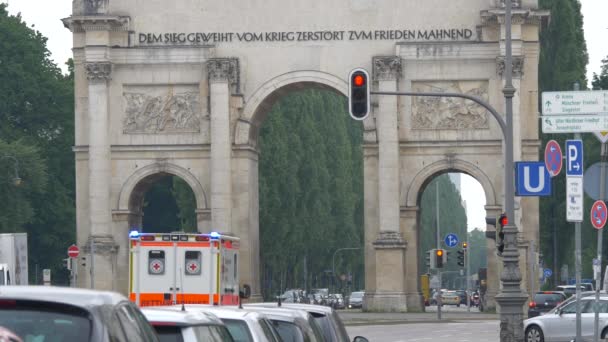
[356,317]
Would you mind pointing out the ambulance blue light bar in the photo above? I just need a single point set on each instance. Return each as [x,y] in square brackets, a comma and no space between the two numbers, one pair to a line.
[134,234]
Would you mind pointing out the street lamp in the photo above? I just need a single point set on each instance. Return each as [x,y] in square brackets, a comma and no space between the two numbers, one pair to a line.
[16,179]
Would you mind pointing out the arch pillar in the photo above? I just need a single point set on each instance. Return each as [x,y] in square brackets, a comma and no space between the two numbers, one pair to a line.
[389,293]
[410,230]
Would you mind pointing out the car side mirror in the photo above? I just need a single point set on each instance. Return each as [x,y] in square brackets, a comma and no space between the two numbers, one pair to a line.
[245,292]
[360,339]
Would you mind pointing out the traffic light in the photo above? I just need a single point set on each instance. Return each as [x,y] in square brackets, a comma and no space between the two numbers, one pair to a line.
[428,257]
[358,94]
[503,220]
[431,258]
[461,256]
[465,245]
[439,256]
[67,263]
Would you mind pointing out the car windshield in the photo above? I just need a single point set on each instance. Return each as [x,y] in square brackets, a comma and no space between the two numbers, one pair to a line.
[40,322]
[551,298]
[238,329]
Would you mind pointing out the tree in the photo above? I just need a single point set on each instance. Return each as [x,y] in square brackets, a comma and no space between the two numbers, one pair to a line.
[37,115]
[601,81]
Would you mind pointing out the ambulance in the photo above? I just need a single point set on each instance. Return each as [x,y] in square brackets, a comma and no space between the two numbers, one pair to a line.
[188,268]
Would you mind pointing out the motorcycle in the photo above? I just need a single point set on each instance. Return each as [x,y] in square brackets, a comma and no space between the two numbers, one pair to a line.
[475,300]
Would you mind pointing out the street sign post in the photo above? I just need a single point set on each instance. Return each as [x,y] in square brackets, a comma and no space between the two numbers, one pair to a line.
[451,240]
[547,272]
[599,214]
[532,179]
[574,199]
[575,102]
[592,184]
[574,123]
[73,251]
[574,158]
[553,158]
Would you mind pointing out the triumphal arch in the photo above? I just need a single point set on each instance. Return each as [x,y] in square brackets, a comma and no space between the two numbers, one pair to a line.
[182,87]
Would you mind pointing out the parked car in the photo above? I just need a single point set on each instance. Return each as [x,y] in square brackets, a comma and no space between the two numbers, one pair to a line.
[173,324]
[463,296]
[559,324]
[356,300]
[545,301]
[48,313]
[244,326]
[337,301]
[569,290]
[450,298]
[326,318]
[291,325]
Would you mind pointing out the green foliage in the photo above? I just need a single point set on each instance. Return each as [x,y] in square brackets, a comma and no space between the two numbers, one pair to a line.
[478,250]
[311,191]
[601,81]
[37,116]
[563,62]
[452,219]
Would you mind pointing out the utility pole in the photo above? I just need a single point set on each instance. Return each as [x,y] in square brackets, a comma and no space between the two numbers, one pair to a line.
[468,274]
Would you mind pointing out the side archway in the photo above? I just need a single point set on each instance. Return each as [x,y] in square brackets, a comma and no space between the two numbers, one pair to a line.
[125,196]
[409,198]
[262,100]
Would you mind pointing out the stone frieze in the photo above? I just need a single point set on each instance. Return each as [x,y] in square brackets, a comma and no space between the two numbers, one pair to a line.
[448,112]
[171,113]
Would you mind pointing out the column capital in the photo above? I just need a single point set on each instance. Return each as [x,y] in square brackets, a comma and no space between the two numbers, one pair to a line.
[386,68]
[518,66]
[389,240]
[224,70]
[98,71]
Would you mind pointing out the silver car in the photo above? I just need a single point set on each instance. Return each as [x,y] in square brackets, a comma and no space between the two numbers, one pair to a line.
[174,324]
[47,313]
[559,324]
[244,326]
[292,325]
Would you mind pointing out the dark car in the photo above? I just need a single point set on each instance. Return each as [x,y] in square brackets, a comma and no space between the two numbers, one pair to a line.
[356,300]
[47,313]
[543,302]
[463,296]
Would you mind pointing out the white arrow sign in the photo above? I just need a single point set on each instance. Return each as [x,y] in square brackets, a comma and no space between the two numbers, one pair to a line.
[575,102]
[574,123]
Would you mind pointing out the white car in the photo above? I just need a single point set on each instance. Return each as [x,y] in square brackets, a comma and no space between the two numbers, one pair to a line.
[559,324]
[244,326]
[173,324]
[291,324]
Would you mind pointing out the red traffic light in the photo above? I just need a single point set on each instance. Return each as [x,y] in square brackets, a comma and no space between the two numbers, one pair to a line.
[359,80]
[504,220]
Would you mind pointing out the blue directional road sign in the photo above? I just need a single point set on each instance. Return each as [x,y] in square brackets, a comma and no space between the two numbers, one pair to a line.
[451,240]
[547,272]
[574,158]
[532,179]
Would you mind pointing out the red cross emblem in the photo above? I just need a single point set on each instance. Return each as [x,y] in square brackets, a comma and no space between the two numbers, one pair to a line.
[192,267]
[156,266]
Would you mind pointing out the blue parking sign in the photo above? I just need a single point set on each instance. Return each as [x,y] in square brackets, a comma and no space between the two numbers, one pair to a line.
[574,158]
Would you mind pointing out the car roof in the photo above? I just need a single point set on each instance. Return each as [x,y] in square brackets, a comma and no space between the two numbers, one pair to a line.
[276,313]
[172,314]
[68,295]
[306,307]
[225,312]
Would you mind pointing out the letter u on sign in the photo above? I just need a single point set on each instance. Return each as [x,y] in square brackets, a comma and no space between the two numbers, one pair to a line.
[532,179]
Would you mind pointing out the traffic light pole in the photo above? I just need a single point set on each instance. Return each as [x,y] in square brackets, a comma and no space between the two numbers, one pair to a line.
[468,275]
[439,301]
[511,298]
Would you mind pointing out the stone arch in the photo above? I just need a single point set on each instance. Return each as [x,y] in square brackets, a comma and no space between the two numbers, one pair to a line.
[410,197]
[258,105]
[160,168]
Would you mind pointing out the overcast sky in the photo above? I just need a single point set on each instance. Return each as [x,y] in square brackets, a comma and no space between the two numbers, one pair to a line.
[46,15]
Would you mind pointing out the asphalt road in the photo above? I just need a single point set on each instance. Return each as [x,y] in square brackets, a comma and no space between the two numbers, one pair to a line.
[466,331]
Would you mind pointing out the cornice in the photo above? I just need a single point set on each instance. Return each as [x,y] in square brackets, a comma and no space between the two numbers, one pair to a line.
[78,24]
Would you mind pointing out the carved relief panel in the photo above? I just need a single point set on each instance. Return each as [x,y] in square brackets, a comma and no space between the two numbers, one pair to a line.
[449,112]
[162,109]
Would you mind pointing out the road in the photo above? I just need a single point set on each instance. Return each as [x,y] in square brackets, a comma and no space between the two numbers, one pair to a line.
[465,331]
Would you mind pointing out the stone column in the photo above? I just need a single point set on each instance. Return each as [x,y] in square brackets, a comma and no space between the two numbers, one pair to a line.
[102,254]
[389,293]
[222,72]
